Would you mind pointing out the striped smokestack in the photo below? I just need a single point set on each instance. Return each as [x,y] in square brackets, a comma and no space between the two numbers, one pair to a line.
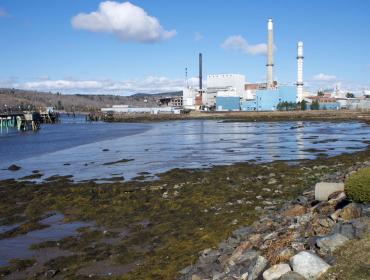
[270,50]
[200,72]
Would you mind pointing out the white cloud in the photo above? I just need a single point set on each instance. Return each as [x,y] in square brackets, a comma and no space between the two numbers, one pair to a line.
[324,77]
[198,36]
[238,43]
[125,20]
[151,84]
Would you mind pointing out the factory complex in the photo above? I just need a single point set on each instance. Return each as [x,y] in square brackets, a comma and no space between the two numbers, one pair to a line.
[231,92]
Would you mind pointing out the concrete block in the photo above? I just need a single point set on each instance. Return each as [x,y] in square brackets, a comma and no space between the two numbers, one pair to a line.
[323,190]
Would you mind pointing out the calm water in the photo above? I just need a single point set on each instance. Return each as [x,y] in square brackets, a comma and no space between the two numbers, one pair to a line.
[18,247]
[85,150]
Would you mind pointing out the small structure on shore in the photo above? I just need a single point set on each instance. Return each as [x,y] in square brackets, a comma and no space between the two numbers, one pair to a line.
[27,120]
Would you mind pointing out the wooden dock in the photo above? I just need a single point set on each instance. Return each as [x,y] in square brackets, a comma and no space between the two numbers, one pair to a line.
[26,120]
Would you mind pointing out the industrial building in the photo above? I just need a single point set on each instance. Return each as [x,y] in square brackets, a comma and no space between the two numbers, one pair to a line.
[231,92]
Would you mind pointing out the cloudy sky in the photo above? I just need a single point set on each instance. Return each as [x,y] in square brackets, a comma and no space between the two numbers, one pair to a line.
[79,46]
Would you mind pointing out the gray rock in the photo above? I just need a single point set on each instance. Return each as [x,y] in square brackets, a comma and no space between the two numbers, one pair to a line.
[344,229]
[323,190]
[243,256]
[257,268]
[302,200]
[276,271]
[356,228]
[328,244]
[242,233]
[361,226]
[292,276]
[366,210]
[308,265]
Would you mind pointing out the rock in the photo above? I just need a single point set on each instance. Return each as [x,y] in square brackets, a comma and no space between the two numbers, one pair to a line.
[308,265]
[242,233]
[256,270]
[346,230]
[51,273]
[334,216]
[272,181]
[353,229]
[14,167]
[328,244]
[351,211]
[326,222]
[366,210]
[323,190]
[243,256]
[302,200]
[292,276]
[285,254]
[295,210]
[336,197]
[196,277]
[361,226]
[276,271]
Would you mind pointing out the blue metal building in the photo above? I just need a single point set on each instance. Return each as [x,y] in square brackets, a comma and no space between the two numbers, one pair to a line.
[268,99]
[227,103]
[329,106]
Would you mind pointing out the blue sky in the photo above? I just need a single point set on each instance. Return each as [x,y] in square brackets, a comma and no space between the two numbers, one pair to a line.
[47,46]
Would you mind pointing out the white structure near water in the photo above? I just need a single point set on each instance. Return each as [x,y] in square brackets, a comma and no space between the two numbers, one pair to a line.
[125,109]
[229,85]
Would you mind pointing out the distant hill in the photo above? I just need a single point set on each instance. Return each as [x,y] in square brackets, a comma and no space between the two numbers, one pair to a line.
[76,102]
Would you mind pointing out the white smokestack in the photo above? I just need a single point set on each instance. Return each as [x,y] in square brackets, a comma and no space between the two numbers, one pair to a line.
[299,71]
[270,50]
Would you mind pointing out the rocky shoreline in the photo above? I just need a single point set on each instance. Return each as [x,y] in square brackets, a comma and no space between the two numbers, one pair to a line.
[292,243]
[152,229]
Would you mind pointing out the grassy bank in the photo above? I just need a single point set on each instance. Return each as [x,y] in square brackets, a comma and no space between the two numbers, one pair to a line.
[157,227]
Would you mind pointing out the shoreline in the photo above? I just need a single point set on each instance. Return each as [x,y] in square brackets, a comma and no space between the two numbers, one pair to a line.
[169,220]
[340,115]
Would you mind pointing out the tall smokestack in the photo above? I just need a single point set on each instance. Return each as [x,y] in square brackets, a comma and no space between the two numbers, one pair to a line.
[200,72]
[299,71]
[270,50]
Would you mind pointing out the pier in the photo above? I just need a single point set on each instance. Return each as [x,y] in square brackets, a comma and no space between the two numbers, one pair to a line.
[26,120]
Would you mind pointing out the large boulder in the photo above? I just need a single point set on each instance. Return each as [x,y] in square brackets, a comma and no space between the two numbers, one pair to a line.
[308,265]
[324,190]
[328,244]
[276,271]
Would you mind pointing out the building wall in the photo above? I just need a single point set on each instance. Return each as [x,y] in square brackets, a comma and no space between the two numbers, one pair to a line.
[268,99]
[329,106]
[227,103]
[236,81]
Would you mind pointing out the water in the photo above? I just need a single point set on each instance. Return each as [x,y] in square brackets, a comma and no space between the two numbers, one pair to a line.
[84,149]
[18,247]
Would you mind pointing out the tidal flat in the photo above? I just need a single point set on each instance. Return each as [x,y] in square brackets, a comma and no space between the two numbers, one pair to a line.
[151,229]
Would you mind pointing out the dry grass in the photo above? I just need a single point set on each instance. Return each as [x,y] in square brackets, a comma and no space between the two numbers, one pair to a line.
[352,261]
[275,247]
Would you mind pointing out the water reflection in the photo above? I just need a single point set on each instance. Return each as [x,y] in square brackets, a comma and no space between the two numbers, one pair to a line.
[191,144]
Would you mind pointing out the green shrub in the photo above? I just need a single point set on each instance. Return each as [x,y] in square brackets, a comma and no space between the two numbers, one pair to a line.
[357,186]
